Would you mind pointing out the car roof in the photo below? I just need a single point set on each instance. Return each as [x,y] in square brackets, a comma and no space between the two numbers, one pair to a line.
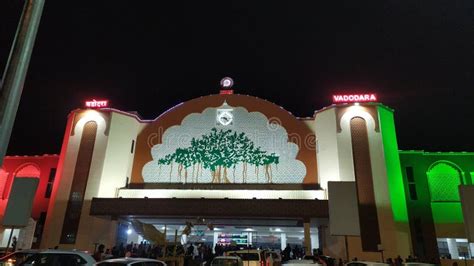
[367,262]
[30,251]
[129,259]
[227,257]
[86,256]
[27,251]
[23,251]
[59,251]
[246,251]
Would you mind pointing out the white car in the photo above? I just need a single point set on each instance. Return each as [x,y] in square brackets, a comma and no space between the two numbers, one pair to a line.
[227,261]
[131,261]
[250,257]
[365,263]
[17,257]
[54,257]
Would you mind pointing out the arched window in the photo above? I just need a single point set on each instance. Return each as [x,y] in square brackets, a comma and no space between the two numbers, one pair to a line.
[28,170]
[444,178]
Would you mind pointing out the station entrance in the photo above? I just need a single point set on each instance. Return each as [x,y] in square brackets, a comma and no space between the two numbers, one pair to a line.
[248,233]
[242,223]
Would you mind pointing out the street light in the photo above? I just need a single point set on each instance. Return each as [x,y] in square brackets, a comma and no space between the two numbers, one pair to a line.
[16,68]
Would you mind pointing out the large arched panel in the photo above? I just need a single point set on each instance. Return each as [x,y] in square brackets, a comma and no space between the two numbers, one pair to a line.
[369,224]
[444,178]
[79,183]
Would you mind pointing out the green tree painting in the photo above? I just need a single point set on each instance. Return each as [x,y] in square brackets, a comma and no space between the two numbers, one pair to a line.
[219,152]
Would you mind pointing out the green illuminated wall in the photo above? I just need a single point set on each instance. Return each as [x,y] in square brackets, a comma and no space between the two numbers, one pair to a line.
[437,177]
[447,212]
[444,179]
[392,160]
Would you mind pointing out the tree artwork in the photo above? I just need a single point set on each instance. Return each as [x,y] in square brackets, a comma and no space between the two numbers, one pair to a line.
[219,152]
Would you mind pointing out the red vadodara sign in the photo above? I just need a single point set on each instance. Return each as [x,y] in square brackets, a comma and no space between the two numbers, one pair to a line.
[96,104]
[352,98]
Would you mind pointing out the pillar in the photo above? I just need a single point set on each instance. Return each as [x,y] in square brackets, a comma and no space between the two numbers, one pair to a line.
[283,241]
[249,238]
[314,240]
[453,248]
[307,237]
[214,242]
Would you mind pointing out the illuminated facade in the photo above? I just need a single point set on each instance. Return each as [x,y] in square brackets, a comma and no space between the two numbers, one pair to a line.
[38,167]
[431,180]
[246,167]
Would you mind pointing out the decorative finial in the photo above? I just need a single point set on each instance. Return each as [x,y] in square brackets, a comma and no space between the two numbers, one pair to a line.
[226,83]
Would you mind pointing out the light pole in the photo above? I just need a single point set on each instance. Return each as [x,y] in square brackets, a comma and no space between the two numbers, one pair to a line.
[16,68]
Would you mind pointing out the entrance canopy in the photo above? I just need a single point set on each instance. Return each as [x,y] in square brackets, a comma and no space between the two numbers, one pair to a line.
[212,208]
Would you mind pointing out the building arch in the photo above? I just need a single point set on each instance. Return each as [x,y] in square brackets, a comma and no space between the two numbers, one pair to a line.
[444,178]
[28,169]
[357,111]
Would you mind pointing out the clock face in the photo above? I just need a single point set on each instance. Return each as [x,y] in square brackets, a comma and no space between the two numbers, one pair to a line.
[225,117]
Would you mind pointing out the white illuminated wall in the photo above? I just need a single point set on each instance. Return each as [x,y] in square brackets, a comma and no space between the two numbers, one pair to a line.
[335,163]
[327,147]
[334,149]
[220,194]
[118,157]
[111,164]
[66,167]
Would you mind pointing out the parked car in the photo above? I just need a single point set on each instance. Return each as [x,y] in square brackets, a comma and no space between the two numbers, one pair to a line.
[365,263]
[276,257]
[17,257]
[303,262]
[250,257]
[54,257]
[227,261]
[131,261]
[326,259]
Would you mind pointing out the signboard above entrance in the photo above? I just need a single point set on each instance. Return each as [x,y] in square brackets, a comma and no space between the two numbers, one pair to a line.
[353,98]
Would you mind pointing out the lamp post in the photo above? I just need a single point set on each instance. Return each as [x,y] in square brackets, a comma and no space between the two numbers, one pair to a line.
[16,68]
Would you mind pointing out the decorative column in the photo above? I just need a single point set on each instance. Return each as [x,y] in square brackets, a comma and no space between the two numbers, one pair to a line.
[314,240]
[453,248]
[214,242]
[283,241]
[307,237]
[471,250]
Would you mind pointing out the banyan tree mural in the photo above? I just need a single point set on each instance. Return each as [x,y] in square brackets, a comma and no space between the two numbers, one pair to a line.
[201,150]
[219,152]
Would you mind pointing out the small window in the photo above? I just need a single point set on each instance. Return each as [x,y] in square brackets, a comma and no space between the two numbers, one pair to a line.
[412,189]
[49,186]
[52,174]
[49,189]
[133,146]
[410,176]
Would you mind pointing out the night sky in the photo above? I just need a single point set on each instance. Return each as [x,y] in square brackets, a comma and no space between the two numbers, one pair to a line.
[148,56]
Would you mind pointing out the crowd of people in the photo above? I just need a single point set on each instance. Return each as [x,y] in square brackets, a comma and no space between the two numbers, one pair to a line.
[194,254]
[199,253]
[142,250]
